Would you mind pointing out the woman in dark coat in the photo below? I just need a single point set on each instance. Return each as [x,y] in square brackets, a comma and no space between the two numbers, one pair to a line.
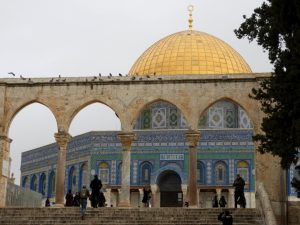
[69,198]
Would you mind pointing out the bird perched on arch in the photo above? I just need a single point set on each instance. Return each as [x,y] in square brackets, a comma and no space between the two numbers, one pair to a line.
[11,73]
[110,74]
[120,75]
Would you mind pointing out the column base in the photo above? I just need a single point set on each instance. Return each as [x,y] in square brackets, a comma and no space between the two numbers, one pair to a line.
[59,206]
[193,206]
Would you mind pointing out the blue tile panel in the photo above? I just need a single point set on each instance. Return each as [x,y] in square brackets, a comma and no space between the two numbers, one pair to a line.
[161,149]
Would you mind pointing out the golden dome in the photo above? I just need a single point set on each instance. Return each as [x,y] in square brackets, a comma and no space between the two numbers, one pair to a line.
[189,52]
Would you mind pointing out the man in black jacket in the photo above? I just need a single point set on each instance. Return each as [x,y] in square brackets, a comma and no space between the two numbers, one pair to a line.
[226,218]
[239,196]
[95,186]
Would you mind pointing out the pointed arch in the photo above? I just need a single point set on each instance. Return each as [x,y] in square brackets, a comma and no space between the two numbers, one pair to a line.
[42,184]
[224,113]
[51,184]
[77,110]
[25,182]
[119,173]
[201,171]
[83,175]
[24,105]
[34,183]
[87,108]
[72,179]
[104,172]
[146,169]
[159,114]
[220,173]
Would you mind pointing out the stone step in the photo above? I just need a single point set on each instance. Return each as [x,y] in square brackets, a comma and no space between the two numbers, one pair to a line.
[122,216]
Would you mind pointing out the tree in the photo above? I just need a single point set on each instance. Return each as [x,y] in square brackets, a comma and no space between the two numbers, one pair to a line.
[275,25]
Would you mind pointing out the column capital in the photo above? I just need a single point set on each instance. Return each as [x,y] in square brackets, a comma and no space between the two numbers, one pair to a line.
[62,138]
[126,139]
[192,138]
[5,138]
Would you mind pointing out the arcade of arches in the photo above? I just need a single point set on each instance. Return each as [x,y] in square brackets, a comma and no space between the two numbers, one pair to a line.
[195,105]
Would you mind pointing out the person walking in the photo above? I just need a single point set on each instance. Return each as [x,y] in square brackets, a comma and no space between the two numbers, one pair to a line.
[215,203]
[69,199]
[146,196]
[77,199]
[47,203]
[239,196]
[84,194]
[222,202]
[102,199]
[225,217]
[95,186]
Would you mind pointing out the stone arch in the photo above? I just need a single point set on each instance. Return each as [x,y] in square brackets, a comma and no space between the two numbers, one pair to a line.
[157,101]
[235,102]
[78,108]
[19,108]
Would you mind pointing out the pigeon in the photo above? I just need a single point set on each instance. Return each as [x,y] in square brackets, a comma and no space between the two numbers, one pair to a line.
[11,73]
[120,75]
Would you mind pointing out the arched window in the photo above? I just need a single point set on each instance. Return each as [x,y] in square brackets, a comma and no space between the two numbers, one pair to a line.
[72,181]
[243,170]
[220,173]
[83,175]
[145,172]
[25,182]
[160,115]
[42,184]
[51,185]
[119,173]
[225,114]
[104,172]
[200,173]
[34,183]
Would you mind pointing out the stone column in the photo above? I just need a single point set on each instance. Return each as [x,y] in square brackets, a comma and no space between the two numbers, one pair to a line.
[154,201]
[192,138]
[185,197]
[230,199]
[107,195]
[219,193]
[62,138]
[141,191]
[4,167]
[126,140]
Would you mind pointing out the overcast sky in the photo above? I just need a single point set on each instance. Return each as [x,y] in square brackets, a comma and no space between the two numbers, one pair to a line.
[84,37]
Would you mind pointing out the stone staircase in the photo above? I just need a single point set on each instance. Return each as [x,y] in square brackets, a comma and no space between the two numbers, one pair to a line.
[122,216]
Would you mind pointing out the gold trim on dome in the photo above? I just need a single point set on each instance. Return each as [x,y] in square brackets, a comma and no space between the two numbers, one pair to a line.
[189,52]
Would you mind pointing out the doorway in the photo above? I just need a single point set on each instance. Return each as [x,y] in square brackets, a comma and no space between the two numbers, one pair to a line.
[169,183]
